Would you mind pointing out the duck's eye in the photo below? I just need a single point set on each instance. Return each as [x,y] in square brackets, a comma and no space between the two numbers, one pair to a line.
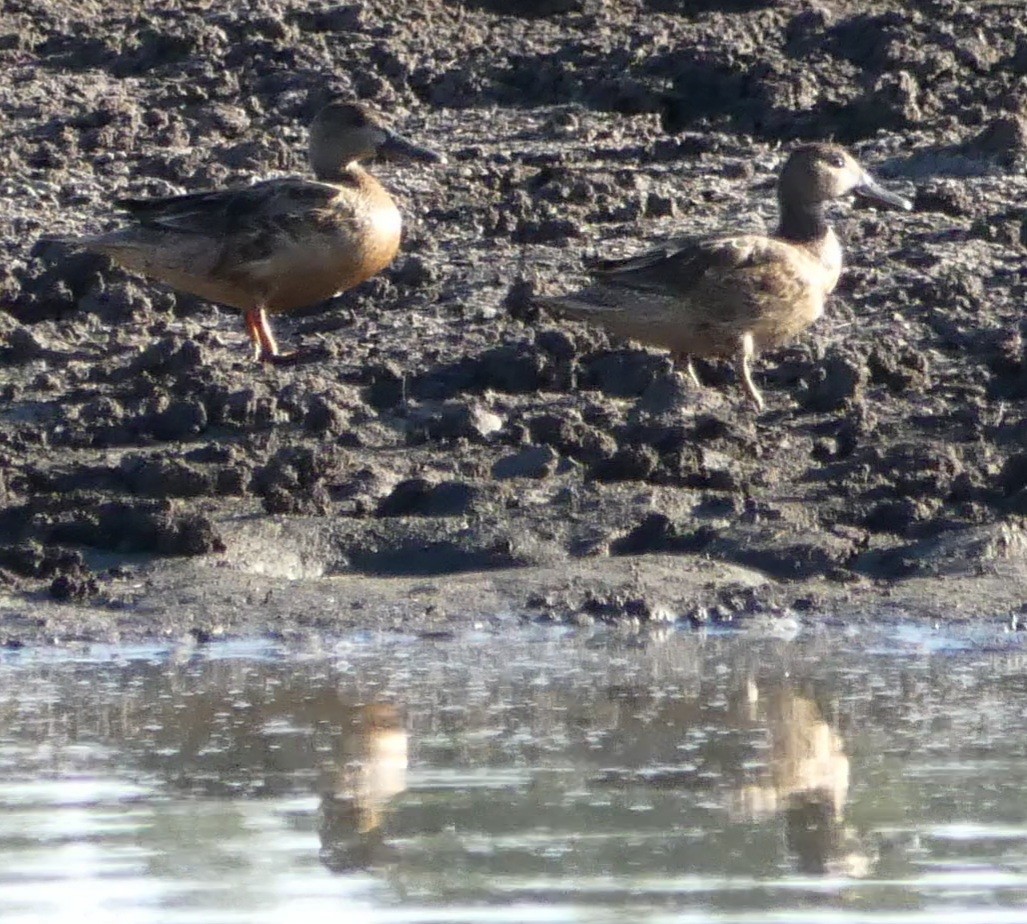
[836,161]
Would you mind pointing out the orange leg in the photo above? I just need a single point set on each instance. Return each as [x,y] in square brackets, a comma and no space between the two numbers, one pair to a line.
[265,347]
[269,346]
[252,321]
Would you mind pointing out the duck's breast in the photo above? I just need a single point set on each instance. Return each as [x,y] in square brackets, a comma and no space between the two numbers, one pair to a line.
[788,295]
[828,253]
[340,247]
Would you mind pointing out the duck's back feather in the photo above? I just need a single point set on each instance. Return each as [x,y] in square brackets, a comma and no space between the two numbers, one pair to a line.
[226,212]
[682,263]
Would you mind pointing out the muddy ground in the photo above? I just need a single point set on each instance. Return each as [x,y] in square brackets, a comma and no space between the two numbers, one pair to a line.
[458,456]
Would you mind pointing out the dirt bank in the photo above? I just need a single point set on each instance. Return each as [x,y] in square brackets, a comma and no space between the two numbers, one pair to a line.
[153,481]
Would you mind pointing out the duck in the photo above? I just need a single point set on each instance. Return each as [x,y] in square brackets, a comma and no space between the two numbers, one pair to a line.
[278,245]
[734,296]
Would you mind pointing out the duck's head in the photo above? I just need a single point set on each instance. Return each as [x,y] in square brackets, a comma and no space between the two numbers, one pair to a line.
[817,173]
[345,133]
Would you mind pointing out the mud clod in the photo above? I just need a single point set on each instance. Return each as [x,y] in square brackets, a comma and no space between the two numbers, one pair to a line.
[169,356]
[622,373]
[180,420]
[164,478]
[1004,139]
[630,463]
[296,480]
[453,420]
[834,383]
[419,497]
[533,462]
[66,587]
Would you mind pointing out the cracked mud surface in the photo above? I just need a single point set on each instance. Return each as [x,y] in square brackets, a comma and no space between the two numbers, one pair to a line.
[458,455]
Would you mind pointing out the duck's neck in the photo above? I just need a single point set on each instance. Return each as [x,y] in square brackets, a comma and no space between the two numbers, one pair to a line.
[334,172]
[803,223]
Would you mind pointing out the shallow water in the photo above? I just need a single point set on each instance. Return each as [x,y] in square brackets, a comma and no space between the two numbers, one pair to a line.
[814,774]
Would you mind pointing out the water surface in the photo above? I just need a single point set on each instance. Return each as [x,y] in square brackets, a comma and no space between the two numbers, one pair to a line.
[818,774]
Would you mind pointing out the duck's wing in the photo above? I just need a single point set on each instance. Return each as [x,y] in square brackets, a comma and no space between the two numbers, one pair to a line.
[683,264]
[227,213]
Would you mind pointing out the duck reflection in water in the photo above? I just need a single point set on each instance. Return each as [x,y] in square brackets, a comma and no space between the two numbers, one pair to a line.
[232,732]
[807,782]
[366,773]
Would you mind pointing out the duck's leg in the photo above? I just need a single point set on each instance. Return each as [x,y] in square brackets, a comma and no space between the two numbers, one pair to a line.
[269,351]
[265,349]
[692,374]
[684,360]
[746,350]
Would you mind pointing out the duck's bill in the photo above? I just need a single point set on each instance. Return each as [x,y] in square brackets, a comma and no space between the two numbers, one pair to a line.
[396,147]
[870,189]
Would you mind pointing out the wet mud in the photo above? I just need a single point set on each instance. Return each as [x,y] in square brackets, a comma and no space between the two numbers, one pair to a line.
[455,453]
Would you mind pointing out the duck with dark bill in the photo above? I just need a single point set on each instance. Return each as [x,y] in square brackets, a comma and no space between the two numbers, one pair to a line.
[736,295]
[279,245]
